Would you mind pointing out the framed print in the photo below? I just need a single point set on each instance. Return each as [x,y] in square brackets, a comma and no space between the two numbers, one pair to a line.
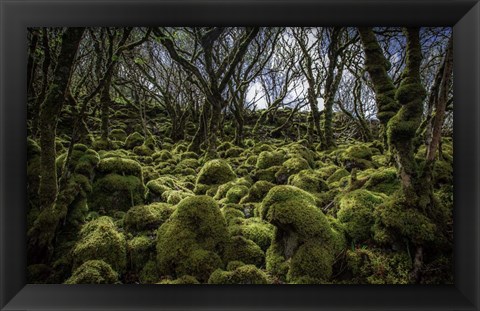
[239,155]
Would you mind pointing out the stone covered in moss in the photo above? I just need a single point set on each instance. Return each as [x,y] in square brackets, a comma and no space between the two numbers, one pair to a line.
[133,140]
[214,172]
[356,213]
[241,249]
[268,159]
[185,279]
[191,237]
[257,192]
[370,266]
[157,187]
[298,223]
[236,193]
[384,181]
[147,217]
[291,166]
[118,134]
[256,230]
[309,181]
[139,251]
[267,174]
[248,274]
[93,272]
[99,239]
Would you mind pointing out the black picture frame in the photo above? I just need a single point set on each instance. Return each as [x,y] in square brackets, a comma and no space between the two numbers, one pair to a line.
[17,15]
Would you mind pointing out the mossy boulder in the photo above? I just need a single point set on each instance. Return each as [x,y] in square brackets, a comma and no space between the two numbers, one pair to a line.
[247,274]
[355,212]
[139,251]
[268,159]
[256,230]
[100,239]
[241,249]
[183,280]
[93,272]
[133,140]
[118,134]
[308,180]
[257,192]
[235,194]
[157,187]
[299,223]
[291,166]
[371,266]
[384,180]
[267,174]
[193,238]
[214,172]
[147,217]
[119,166]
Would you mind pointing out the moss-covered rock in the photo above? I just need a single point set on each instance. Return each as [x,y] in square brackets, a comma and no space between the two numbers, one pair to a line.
[241,249]
[183,280]
[248,274]
[133,140]
[99,239]
[309,181]
[267,174]
[236,193]
[213,173]
[291,166]
[190,237]
[147,217]
[257,192]
[268,159]
[356,213]
[93,272]
[256,230]
[383,181]
[118,134]
[370,266]
[139,251]
[299,223]
[119,166]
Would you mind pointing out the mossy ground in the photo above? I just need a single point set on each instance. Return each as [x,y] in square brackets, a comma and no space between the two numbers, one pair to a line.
[260,213]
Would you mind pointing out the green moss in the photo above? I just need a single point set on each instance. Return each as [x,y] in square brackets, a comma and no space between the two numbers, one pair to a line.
[257,192]
[248,274]
[397,219]
[147,217]
[267,174]
[290,167]
[162,155]
[292,209]
[188,163]
[443,172]
[378,267]
[309,181]
[244,250]
[133,140]
[384,181]
[93,272]
[236,193]
[175,196]
[116,192]
[256,230]
[157,187]
[199,263]
[189,155]
[139,251]
[268,159]
[118,134]
[358,152]
[119,166]
[339,174]
[38,274]
[233,152]
[296,150]
[143,150]
[99,239]
[313,260]
[215,172]
[185,279]
[232,215]
[197,224]
[148,274]
[356,213]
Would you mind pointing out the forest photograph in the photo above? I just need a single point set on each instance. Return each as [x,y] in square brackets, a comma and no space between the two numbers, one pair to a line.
[239,155]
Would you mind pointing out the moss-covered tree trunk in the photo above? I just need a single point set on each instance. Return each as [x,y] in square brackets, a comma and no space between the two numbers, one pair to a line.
[377,66]
[402,127]
[106,100]
[50,110]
